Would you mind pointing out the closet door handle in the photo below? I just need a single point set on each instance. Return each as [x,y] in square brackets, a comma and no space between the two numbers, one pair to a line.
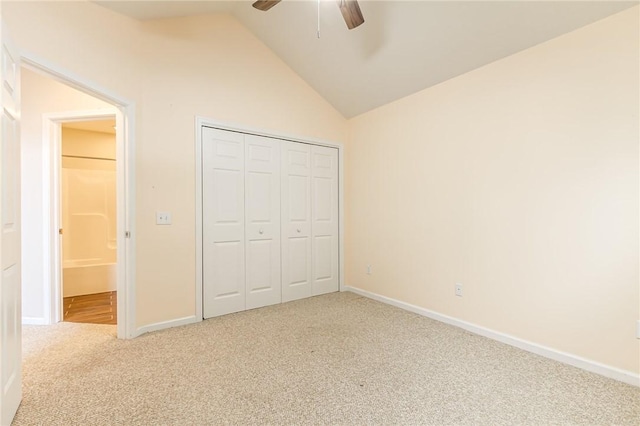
[261,232]
[298,230]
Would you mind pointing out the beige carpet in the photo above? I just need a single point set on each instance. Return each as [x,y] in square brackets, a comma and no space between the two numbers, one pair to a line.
[334,359]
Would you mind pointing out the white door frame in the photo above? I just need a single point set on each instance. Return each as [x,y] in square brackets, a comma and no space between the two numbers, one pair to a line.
[201,122]
[124,111]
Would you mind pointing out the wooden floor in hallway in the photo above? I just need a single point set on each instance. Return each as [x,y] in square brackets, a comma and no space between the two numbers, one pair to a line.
[99,308]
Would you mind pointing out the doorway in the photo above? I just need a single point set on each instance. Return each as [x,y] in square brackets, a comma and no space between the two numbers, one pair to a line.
[86,273]
[88,221]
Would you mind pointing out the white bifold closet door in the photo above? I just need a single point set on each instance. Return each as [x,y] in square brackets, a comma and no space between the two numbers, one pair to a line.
[270,221]
[324,220]
[262,221]
[223,215]
[310,231]
[296,221]
[241,221]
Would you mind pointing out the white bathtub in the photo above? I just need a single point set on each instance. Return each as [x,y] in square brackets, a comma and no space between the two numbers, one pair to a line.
[82,277]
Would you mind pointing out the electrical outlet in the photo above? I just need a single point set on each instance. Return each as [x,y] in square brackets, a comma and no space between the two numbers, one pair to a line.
[163,218]
[459,289]
[368,269]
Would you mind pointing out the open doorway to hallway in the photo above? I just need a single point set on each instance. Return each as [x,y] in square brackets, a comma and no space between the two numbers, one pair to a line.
[72,204]
[88,221]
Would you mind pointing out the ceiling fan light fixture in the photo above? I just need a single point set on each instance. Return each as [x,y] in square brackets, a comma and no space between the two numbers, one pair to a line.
[265,5]
[351,13]
[350,10]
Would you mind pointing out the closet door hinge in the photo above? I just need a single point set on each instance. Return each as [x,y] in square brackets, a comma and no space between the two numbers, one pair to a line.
[127,234]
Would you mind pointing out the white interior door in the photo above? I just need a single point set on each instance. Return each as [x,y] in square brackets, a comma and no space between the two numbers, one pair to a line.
[223,214]
[325,220]
[296,221]
[10,298]
[262,225]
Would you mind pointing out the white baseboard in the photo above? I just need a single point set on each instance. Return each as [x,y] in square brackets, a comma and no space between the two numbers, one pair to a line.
[166,324]
[34,321]
[566,358]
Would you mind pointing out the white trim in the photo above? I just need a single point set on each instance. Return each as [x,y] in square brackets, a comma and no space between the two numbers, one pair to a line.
[125,140]
[201,122]
[341,230]
[34,321]
[49,69]
[625,376]
[167,324]
[128,273]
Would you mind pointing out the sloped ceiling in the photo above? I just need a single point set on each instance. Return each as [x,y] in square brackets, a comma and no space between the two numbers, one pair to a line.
[403,46]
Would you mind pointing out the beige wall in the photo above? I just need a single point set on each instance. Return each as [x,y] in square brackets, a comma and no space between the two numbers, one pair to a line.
[518,180]
[87,143]
[40,95]
[173,70]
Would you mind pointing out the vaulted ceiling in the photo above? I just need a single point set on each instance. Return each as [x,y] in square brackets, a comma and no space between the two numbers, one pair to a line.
[403,46]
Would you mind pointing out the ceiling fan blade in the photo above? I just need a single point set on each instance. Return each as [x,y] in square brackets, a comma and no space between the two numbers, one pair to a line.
[351,13]
[265,4]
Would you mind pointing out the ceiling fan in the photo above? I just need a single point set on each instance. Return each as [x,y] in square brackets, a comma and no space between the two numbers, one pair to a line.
[349,8]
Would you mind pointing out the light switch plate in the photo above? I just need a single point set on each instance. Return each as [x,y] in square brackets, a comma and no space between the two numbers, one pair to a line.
[163,218]
[458,289]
